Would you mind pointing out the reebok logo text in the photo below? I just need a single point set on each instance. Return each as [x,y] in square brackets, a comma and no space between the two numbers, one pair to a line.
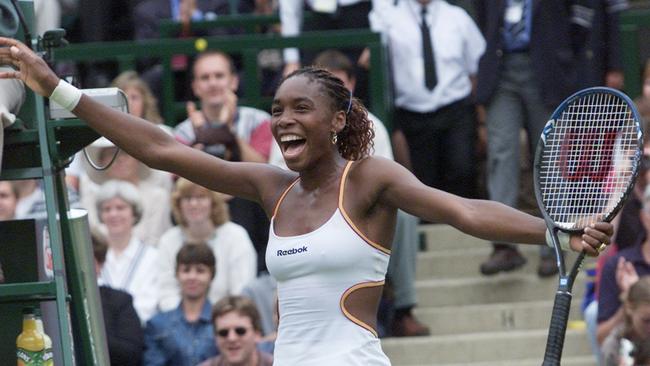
[292,251]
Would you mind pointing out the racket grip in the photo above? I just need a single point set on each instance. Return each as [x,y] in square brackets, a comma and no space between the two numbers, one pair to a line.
[557,330]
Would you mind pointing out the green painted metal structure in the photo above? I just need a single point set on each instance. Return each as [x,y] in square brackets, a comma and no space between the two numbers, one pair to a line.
[36,148]
[247,46]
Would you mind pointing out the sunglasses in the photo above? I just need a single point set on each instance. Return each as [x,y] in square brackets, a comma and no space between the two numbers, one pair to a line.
[240,331]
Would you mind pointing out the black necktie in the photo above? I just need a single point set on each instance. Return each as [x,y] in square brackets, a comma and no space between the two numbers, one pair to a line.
[430,78]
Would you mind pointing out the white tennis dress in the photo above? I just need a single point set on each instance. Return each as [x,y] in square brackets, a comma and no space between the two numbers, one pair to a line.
[316,272]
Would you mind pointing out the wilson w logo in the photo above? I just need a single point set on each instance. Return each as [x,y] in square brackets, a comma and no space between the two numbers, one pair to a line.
[587,154]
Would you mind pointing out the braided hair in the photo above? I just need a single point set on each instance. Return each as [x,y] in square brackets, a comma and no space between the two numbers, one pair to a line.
[355,140]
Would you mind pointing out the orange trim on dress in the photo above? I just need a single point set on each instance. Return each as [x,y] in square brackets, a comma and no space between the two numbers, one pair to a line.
[351,317]
[349,220]
[277,205]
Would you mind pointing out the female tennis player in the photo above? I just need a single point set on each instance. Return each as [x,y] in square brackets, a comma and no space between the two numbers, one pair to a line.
[333,214]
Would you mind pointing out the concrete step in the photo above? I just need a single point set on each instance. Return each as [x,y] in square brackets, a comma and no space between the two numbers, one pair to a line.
[490,347]
[458,263]
[484,321]
[501,288]
[491,317]
[566,361]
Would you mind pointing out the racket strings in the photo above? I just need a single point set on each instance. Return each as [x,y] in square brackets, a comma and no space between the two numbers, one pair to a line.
[588,160]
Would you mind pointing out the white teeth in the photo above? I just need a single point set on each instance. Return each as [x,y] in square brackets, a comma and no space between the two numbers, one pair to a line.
[288,138]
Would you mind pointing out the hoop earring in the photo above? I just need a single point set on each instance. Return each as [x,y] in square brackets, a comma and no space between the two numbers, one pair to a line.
[334,138]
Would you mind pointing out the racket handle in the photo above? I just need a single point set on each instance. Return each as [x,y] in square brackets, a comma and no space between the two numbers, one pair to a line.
[557,330]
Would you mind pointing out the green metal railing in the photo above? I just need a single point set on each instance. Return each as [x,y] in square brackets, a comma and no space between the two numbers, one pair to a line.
[250,24]
[37,148]
[247,46]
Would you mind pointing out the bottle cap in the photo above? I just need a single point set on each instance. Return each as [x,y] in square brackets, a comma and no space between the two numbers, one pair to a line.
[28,310]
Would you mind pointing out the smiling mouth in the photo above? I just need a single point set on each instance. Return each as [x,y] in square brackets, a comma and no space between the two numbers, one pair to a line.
[293,147]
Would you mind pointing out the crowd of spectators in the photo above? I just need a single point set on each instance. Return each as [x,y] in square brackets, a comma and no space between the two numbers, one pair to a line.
[188,264]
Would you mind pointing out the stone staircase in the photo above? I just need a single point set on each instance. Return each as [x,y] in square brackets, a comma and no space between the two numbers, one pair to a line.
[484,321]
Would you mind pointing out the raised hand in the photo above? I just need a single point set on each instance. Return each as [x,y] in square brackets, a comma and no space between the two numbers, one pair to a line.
[29,67]
[626,275]
[196,116]
[229,108]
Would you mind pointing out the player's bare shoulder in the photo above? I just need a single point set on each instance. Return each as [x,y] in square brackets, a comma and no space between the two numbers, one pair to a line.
[374,172]
[272,182]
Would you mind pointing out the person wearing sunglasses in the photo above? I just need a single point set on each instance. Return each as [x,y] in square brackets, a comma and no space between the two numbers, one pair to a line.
[185,336]
[237,329]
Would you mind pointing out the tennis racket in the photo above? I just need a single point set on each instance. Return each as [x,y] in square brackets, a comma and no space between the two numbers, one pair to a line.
[586,163]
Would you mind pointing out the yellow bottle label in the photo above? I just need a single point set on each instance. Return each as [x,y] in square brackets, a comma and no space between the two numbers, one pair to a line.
[48,357]
[29,358]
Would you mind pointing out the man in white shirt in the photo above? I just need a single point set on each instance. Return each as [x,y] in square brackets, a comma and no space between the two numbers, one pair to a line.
[435,48]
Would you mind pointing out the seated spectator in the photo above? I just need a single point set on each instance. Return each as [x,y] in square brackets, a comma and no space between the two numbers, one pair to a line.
[30,194]
[628,336]
[237,329]
[143,104]
[185,336]
[130,264]
[202,217]
[156,213]
[221,127]
[123,331]
[31,199]
[226,130]
[619,272]
[643,101]
[8,200]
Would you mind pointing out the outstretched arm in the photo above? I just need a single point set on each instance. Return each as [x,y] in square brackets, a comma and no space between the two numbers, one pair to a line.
[484,219]
[142,139]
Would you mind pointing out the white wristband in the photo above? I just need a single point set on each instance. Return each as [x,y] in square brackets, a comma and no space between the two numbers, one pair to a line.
[66,95]
[562,237]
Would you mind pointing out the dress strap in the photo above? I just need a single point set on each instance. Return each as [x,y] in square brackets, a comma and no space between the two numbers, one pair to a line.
[342,183]
[347,217]
[277,205]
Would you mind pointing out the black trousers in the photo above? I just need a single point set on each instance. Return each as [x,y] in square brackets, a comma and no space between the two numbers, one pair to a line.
[442,146]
